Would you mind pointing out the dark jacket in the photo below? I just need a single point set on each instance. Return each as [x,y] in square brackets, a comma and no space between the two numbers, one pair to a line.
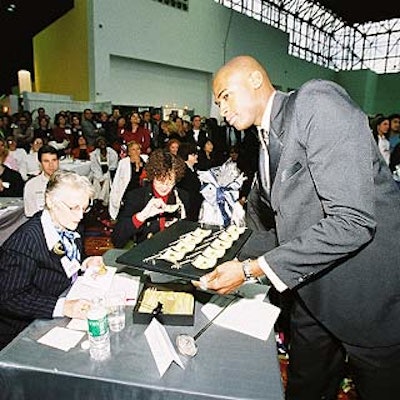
[31,278]
[134,202]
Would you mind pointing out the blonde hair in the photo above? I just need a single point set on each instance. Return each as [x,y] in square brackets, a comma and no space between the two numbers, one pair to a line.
[61,181]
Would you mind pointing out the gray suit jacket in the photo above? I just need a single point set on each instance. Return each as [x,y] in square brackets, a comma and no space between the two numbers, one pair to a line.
[337,214]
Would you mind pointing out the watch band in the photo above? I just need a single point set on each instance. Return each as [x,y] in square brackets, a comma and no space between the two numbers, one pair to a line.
[247,270]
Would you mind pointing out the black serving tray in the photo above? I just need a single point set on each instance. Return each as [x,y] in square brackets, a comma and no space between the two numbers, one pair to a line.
[161,240]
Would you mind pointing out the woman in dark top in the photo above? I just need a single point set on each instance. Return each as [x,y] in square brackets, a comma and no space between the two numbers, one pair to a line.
[206,159]
[153,207]
[129,176]
[190,181]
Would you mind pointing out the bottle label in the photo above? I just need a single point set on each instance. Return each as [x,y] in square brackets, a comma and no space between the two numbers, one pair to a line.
[98,327]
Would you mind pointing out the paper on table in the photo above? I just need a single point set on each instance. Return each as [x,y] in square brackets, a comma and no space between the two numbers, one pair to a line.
[78,324]
[61,338]
[80,290]
[161,347]
[127,284]
[119,283]
[250,315]
[99,281]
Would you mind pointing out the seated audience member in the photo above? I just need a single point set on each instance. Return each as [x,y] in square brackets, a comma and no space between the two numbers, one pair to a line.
[237,159]
[173,146]
[44,131]
[147,210]
[103,164]
[83,150]
[11,182]
[41,259]
[34,190]
[119,145]
[5,157]
[395,158]
[31,167]
[137,132]
[206,159]
[76,129]
[380,131]
[168,131]
[190,180]
[129,176]
[23,133]
[16,153]
[197,134]
[62,137]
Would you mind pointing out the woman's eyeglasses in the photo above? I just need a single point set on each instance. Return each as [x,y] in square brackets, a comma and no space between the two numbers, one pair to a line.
[78,208]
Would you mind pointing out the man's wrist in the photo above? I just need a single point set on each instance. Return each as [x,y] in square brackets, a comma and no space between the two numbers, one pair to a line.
[247,271]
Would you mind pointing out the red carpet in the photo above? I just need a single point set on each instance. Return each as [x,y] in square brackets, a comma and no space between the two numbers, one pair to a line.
[97,231]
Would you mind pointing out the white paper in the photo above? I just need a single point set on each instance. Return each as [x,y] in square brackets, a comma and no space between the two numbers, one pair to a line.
[124,283]
[120,283]
[161,347]
[249,315]
[80,290]
[78,324]
[99,281]
[61,338]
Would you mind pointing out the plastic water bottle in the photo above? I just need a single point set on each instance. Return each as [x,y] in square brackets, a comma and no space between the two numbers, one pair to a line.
[99,332]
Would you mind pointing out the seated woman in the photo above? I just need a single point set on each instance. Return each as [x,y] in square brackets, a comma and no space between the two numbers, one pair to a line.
[129,176]
[103,163]
[83,150]
[153,207]
[31,167]
[41,259]
[206,158]
[173,146]
[190,181]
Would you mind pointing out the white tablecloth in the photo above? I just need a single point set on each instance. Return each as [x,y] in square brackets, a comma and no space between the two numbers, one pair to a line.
[11,216]
[81,167]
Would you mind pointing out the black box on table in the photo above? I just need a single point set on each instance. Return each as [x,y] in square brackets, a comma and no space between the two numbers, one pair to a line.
[161,301]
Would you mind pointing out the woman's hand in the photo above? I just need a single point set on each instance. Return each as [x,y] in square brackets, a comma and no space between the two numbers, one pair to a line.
[154,207]
[76,308]
[92,261]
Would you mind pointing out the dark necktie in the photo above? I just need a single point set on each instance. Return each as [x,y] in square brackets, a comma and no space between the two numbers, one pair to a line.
[264,169]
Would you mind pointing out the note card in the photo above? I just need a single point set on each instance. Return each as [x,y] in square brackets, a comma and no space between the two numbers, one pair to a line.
[61,338]
[161,346]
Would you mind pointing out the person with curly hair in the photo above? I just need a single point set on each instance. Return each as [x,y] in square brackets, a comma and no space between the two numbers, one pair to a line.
[155,206]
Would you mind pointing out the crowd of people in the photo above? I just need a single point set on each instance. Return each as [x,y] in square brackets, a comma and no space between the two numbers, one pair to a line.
[117,147]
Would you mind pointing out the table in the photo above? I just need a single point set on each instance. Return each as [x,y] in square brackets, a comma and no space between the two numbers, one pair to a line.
[81,167]
[11,216]
[229,365]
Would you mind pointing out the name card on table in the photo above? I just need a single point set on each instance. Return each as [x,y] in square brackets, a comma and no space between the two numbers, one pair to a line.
[161,346]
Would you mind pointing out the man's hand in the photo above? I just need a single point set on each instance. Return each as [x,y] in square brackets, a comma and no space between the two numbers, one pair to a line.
[226,278]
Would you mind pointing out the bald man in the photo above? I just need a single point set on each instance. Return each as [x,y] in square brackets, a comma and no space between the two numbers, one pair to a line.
[337,214]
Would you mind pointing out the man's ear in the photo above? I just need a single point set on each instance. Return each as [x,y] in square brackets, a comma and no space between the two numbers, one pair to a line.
[49,201]
[256,79]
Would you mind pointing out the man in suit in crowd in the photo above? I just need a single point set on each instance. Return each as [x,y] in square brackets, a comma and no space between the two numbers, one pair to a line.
[197,134]
[337,213]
